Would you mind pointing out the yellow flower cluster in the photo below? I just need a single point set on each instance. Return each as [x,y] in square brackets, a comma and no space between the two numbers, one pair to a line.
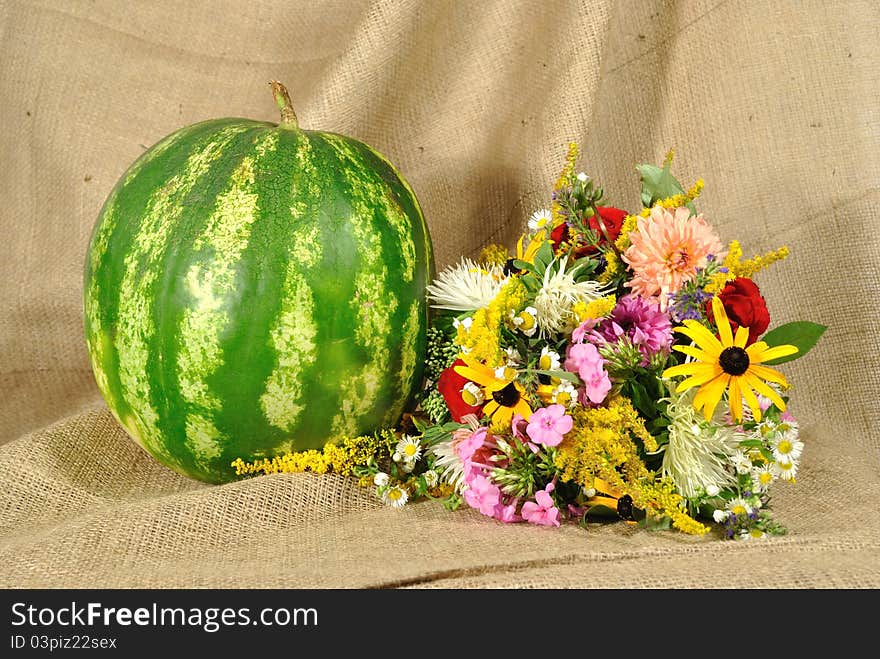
[736,267]
[336,458]
[484,335]
[660,498]
[602,445]
[564,180]
[598,308]
[494,254]
[613,265]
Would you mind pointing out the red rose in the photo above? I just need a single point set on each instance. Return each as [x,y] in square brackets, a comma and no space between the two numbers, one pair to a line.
[745,307]
[612,218]
[450,385]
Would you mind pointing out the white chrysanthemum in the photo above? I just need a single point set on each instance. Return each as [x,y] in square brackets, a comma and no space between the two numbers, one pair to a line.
[698,452]
[763,478]
[431,478]
[739,506]
[786,449]
[410,448]
[395,496]
[540,219]
[564,394]
[466,286]
[380,479]
[549,360]
[741,462]
[558,294]
[784,470]
[448,464]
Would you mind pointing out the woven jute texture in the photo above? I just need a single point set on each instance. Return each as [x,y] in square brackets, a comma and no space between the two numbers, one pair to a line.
[774,104]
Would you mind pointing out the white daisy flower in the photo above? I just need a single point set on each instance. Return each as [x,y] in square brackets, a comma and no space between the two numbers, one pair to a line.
[513,356]
[540,219]
[410,448]
[784,470]
[751,534]
[431,478]
[526,321]
[720,516]
[564,394]
[466,286]
[380,479]
[395,496]
[739,506]
[466,323]
[472,394]
[698,452]
[785,449]
[549,360]
[763,478]
[505,373]
[741,462]
[558,294]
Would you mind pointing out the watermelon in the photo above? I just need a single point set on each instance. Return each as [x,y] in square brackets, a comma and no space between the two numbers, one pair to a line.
[253,289]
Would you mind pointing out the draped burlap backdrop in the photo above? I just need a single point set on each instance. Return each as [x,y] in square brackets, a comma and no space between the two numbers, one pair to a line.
[773,103]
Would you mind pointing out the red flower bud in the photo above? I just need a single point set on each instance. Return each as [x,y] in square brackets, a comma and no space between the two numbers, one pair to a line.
[745,307]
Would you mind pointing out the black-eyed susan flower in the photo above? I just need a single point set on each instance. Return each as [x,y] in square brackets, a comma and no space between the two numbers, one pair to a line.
[505,395]
[728,365]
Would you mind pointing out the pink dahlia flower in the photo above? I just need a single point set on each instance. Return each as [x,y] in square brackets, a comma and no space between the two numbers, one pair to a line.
[641,321]
[667,249]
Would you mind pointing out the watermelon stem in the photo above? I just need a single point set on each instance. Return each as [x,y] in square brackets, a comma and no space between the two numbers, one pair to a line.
[282,99]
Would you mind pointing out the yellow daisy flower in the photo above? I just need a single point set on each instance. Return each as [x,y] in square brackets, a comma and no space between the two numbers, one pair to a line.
[728,364]
[506,396]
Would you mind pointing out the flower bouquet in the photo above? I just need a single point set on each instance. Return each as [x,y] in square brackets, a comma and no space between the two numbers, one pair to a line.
[616,366]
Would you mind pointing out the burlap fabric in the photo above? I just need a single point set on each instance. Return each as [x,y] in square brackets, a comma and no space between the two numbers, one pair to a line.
[774,104]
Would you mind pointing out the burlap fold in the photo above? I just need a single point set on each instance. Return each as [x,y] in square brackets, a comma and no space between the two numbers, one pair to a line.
[773,104]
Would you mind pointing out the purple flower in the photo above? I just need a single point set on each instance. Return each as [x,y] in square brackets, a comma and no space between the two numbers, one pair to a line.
[641,321]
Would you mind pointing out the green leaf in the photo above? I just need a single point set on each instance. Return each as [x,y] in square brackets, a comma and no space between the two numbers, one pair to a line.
[523,265]
[803,334]
[752,443]
[658,183]
[601,511]
[544,256]
[562,375]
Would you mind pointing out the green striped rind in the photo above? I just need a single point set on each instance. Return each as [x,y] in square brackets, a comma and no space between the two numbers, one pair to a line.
[251,290]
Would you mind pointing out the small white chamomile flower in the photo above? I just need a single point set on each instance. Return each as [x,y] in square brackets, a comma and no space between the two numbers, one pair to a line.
[739,506]
[395,496]
[410,448]
[582,177]
[751,534]
[505,373]
[549,360]
[763,478]
[513,356]
[786,449]
[741,462]
[526,321]
[720,516]
[784,470]
[465,322]
[397,457]
[540,219]
[472,394]
[564,394]
[380,479]
[431,478]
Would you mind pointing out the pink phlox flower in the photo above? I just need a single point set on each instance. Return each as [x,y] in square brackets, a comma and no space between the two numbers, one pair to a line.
[542,511]
[507,512]
[466,443]
[482,494]
[585,360]
[548,425]
[581,330]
